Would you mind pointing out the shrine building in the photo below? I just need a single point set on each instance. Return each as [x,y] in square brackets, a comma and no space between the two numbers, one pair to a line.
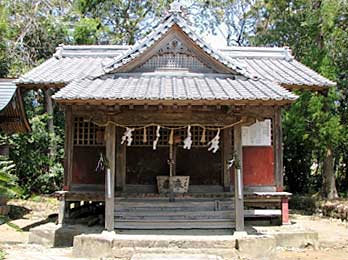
[170,133]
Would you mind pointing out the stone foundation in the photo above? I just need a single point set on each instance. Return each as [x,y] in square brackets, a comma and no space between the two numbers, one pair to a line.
[260,243]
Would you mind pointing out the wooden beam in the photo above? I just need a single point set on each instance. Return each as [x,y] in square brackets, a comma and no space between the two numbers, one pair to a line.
[137,117]
[68,148]
[227,155]
[238,180]
[278,148]
[110,133]
[120,161]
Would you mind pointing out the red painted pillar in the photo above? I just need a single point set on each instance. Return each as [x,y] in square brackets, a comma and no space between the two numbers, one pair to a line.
[285,211]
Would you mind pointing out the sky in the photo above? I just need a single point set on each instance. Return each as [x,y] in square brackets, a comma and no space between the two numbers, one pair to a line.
[217,41]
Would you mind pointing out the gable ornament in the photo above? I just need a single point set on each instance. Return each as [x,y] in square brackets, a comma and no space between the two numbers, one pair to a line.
[175,7]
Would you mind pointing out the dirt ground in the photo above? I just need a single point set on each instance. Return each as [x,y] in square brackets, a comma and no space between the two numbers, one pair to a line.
[333,235]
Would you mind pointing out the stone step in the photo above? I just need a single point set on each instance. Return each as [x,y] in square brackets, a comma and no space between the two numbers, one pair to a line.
[166,256]
[125,246]
[175,224]
[174,215]
[153,205]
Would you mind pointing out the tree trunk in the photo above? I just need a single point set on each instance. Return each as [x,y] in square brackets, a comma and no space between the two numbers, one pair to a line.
[329,185]
[50,124]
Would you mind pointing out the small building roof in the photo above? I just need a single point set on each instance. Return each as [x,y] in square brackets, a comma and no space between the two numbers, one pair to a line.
[7,91]
[77,62]
[12,114]
[169,87]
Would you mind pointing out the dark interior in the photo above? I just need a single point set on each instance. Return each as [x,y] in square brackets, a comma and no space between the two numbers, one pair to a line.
[144,164]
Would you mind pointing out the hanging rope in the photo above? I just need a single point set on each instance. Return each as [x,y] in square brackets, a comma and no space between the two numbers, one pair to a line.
[213,144]
[157,137]
[167,127]
[145,135]
[203,138]
[171,137]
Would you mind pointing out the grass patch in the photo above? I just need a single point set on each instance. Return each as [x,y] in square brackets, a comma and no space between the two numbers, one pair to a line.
[43,198]
[2,254]
[14,226]
[7,221]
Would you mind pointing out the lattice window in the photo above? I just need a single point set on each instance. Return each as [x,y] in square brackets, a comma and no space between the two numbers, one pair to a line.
[174,61]
[174,55]
[138,136]
[87,134]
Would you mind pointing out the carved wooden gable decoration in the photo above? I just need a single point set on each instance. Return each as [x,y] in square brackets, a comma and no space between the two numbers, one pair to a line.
[173,45]
[174,55]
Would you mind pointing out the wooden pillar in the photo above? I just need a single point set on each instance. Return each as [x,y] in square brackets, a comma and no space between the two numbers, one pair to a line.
[68,148]
[110,134]
[120,161]
[278,148]
[238,180]
[227,156]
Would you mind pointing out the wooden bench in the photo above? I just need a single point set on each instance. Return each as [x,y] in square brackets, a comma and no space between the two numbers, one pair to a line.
[268,204]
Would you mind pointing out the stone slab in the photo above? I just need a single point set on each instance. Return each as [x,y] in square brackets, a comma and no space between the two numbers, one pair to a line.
[174,256]
[53,235]
[256,247]
[297,239]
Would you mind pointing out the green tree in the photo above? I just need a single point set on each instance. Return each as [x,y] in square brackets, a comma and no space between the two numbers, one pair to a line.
[309,28]
[115,21]
[8,184]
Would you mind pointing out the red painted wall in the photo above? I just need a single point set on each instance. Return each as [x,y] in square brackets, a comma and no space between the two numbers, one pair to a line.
[84,163]
[258,165]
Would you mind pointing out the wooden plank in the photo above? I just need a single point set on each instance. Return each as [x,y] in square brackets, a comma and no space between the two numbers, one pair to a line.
[174,225]
[120,161]
[226,156]
[110,133]
[239,202]
[68,147]
[202,214]
[178,203]
[262,213]
[197,215]
[278,148]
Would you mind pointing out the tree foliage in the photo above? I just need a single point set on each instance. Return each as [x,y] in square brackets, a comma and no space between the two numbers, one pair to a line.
[115,21]
[314,126]
[8,183]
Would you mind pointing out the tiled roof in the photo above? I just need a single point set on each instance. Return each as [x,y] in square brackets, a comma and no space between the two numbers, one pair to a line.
[76,62]
[174,87]
[276,64]
[13,117]
[161,29]
[7,91]
[72,62]
[64,70]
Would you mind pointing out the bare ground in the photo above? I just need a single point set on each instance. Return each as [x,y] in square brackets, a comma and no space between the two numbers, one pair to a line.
[333,235]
